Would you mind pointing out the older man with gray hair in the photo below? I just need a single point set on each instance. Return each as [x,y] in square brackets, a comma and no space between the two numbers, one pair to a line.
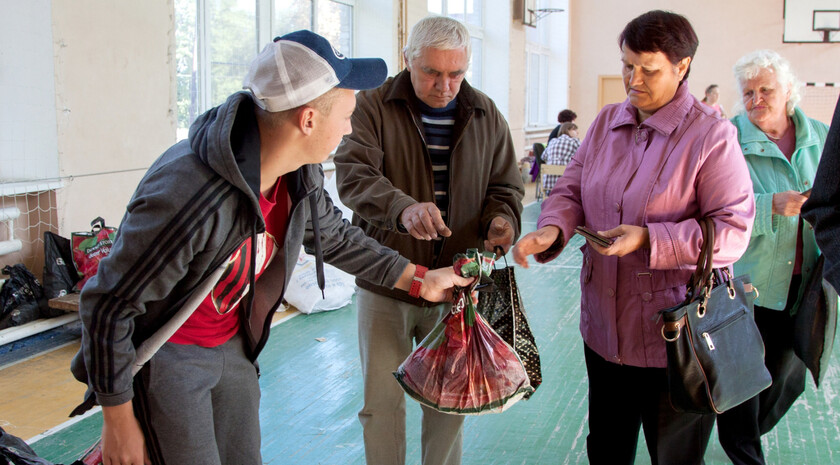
[430,171]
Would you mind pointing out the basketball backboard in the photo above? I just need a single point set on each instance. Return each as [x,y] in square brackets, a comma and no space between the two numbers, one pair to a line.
[816,21]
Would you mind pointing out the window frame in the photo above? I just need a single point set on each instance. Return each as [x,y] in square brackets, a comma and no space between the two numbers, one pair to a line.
[476,33]
[264,25]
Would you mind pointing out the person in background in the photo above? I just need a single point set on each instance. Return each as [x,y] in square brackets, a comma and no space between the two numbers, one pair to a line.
[559,151]
[782,147]
[430,170]
[822,209]
[712,98]
[565,116]
[244,192]
[647,170]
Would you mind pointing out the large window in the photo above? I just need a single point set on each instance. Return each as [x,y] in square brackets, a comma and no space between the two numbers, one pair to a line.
[469,12]
[537,102]
[217,39]
[547,73]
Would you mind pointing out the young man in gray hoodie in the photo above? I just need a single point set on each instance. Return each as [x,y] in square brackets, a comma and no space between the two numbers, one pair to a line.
[243,193]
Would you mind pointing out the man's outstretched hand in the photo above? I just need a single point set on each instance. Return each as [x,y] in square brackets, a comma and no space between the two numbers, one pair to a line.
[424,221]
[499,234]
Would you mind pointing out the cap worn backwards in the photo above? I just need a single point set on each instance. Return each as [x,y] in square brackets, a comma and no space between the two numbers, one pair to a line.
[301,66]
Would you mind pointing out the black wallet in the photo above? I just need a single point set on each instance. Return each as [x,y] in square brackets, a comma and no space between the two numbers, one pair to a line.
[596,238]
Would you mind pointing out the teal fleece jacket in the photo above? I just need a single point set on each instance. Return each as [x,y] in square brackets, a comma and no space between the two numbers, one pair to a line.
[770,257]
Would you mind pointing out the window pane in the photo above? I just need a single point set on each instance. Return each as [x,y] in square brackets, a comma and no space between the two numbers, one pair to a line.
[232,32]
[185,65]
[473,13]
[543,93]
[290,16]
[436,7]
[473,75]
[533,89]
[335,22]
[455,9]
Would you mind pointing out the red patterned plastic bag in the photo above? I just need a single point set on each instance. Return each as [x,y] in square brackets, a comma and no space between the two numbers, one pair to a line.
[463,366]
[89,247]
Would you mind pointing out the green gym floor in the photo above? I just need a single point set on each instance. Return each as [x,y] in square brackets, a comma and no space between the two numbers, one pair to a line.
[311,393]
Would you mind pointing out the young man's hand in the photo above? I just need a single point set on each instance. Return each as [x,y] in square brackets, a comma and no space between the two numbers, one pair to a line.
[122,439]
[437,285]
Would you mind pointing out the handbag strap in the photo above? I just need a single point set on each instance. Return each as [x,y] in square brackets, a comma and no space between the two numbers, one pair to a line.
[151,345]
[701,278]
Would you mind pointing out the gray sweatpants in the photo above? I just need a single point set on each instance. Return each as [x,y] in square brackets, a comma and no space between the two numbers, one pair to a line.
[388,329]
[203,405]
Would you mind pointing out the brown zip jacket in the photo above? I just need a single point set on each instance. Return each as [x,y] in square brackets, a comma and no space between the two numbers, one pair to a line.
[384,166]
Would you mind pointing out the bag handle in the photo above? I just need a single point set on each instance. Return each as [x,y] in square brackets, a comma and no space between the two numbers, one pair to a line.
[500,252]
[97,224]
[701,278]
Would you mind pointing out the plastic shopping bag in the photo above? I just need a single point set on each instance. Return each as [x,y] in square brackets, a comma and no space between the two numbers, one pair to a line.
[463,366]
[303,292]
[89,247]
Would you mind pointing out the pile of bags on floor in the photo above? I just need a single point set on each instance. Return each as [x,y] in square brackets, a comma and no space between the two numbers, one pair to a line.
[21,298]
[68,265]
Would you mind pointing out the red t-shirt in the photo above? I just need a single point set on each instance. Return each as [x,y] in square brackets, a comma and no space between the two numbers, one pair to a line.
[215,321]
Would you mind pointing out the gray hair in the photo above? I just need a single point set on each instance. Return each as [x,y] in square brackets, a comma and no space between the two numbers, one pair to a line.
[440,32]
[748,67]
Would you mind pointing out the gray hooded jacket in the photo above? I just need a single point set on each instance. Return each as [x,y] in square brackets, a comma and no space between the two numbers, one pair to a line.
[197,204]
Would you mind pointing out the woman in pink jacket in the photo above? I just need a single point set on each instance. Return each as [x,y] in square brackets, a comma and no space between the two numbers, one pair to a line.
[647,169]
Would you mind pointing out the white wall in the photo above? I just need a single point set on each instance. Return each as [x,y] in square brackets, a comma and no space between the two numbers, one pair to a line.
[114,102]
[726,29]
[28,143]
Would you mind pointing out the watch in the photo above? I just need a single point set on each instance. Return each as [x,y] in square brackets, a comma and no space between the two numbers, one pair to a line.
[417,280]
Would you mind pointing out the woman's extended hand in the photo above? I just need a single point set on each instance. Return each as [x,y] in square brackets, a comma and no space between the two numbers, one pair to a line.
[628,239]
[535,242]
[788,203]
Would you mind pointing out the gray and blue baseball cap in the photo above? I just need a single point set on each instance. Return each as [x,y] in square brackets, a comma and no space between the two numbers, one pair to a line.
[301,66]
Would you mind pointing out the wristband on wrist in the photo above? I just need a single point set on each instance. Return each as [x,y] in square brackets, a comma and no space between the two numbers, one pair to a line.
[417,280]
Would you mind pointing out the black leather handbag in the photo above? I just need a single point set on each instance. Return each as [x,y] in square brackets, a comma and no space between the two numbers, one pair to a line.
[715,351]
[501,305]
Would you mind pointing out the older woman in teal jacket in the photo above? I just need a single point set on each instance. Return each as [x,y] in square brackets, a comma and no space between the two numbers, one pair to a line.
[782,148]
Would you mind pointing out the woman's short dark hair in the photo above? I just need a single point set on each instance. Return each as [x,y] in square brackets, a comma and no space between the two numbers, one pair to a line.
[566,116]
[661,31]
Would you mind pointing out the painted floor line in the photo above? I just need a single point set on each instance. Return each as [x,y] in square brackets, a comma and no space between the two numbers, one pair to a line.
[66,424]
[39,354]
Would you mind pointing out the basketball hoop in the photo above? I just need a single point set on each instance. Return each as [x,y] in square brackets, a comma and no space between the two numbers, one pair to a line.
[541,13]
[826,21]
